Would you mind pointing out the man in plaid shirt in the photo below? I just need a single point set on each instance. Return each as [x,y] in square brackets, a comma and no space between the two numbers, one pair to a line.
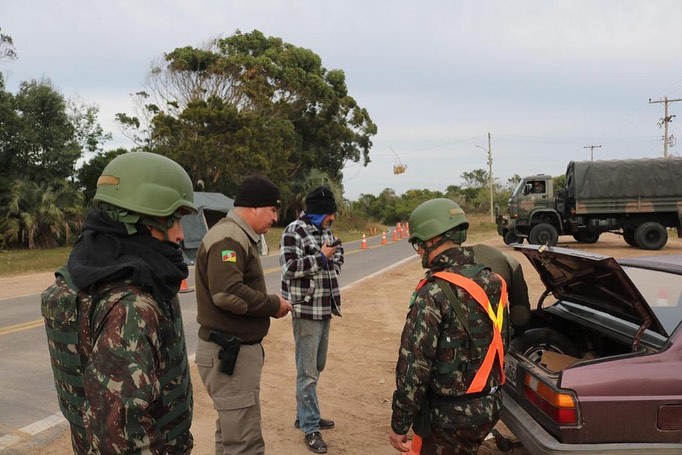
[311,259]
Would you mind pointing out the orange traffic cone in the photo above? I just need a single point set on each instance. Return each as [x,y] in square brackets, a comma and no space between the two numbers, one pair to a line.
[363,245]
[184,288]
[415,445]
[663,298]
[395,235]
[407,230]
[383,238]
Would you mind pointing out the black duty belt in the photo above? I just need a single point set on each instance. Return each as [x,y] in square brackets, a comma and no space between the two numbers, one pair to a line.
[242,342]
[252,342]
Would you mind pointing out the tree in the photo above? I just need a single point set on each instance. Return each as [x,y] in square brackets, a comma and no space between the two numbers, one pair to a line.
[44,146]
[9,126]
[559,181]
[7,47]
[390,208]
[90,135]
[478,178]
[90,171]
[41,215]
[251,104]
[512,182]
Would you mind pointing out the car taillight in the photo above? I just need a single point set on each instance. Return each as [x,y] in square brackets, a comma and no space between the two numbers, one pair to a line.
[559,406]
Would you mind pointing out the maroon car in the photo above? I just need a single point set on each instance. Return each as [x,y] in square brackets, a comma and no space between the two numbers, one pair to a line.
[598,369]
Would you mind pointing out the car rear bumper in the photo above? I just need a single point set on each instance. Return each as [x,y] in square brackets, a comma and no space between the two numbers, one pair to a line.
[539,442]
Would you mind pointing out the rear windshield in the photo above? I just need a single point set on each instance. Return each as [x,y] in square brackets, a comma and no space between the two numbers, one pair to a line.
[663,293]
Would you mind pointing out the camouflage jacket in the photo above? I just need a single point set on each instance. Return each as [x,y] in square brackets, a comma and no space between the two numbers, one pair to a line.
[121,370]
[438,359]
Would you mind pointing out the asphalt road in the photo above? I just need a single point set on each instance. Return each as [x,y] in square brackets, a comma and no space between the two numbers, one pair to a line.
[28,402]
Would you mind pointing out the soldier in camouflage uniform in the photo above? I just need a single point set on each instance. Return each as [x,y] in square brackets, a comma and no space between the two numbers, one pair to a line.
[449,367]
[113,320]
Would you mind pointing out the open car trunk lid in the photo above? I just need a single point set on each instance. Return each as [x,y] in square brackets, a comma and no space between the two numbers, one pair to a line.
[592,280]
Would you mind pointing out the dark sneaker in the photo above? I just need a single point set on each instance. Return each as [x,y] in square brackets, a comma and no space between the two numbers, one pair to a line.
[315,442]
[324,424]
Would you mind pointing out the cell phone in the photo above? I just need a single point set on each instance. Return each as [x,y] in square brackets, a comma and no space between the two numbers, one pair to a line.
[336,242]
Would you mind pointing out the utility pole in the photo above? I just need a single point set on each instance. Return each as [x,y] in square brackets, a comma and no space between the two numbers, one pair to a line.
[490,175]
[665,120]
[592,147]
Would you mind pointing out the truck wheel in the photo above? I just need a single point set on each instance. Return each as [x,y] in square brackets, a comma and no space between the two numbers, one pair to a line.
[651,236]
[543,233]
[533,343]
[629,237]
[587,236]
[510,237]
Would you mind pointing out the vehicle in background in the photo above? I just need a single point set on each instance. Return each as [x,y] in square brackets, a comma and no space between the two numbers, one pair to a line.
[597,368]
[637,199]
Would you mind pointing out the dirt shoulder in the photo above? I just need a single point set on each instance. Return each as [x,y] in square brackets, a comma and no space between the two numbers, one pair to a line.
[356,388]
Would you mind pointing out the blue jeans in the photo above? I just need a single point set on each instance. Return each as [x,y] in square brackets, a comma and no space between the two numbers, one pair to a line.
[312,340]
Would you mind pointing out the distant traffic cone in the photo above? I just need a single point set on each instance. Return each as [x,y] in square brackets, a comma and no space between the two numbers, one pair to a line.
[407,230]
[184,288]
[384,241]
[663,298]
[395,235]
[415,445]
[363,245]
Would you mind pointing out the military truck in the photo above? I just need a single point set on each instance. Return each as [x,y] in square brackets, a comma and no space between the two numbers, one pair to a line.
[638,199]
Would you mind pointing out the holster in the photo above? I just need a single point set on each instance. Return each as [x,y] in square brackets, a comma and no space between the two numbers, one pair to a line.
[229,352]
[422,421]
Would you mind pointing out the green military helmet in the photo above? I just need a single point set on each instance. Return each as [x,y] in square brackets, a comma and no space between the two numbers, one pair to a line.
[146,183]
[435,217]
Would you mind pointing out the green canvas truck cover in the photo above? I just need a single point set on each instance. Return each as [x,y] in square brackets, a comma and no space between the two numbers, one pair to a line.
[652,177]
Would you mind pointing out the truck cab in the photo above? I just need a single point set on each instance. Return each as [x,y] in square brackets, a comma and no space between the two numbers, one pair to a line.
[532,203]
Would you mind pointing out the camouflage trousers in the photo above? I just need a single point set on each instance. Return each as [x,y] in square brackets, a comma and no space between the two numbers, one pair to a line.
[462,441]
[460,429]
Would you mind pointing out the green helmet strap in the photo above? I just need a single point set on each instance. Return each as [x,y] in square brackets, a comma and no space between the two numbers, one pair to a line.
[162,226]
[457,235]
[129,219]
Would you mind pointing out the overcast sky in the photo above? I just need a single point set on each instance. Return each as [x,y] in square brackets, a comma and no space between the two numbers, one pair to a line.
[546,78]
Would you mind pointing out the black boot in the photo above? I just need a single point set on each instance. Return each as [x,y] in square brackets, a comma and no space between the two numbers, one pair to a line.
[315,442]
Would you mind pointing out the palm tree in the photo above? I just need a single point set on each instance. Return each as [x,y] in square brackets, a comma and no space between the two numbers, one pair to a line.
[41,215]
[296,191]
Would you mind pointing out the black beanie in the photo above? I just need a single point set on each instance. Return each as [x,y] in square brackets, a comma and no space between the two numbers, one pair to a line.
[257,191]
[320,201]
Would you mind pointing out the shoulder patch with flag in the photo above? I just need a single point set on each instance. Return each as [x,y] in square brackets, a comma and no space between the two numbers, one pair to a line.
[229,256]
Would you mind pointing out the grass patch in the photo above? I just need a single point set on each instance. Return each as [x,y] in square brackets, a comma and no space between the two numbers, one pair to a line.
[18,262]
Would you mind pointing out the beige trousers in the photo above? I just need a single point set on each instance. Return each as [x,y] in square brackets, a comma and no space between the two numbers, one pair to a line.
[236,398]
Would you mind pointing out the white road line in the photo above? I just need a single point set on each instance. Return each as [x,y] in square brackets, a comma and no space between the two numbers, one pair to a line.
[32,430]
[42,425]
[8,440]
[379,272]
